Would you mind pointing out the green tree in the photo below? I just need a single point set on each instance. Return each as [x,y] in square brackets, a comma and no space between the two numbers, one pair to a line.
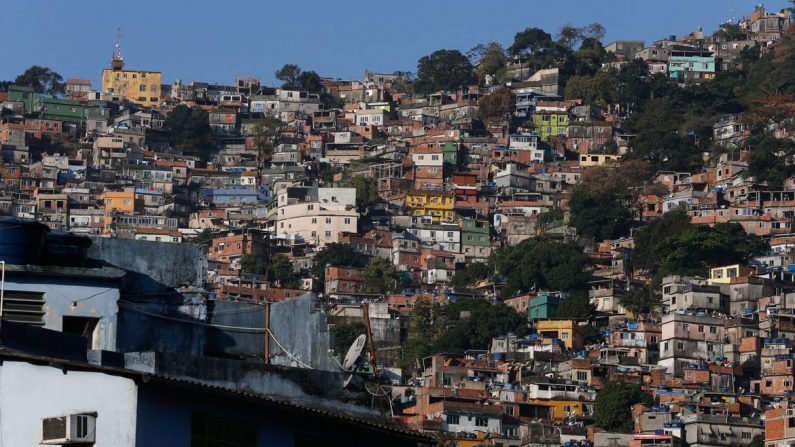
[549,217]
[485,321]
[577,305]
[700,247]
[336,255]
[601,216]
[189,131]
[366,192]
[280,269]
[426,322]
[446,70]
[294,78]
[640,302]
[613,406]
[253,264]
[490,60]
[537,48]
[206,235]
[290,75]
[652,241]
[345,334]
[542,265]
[265,134]
[380,276]
[472,273]
[404,83]
[770,159]
[41,80]
[601,89]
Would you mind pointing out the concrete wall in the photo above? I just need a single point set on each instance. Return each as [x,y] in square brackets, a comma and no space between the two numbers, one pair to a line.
[32,392]
[172,322]
[302,330]
[310,387]
[152,266]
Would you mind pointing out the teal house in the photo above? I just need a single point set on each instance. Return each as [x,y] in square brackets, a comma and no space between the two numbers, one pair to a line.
[544,306]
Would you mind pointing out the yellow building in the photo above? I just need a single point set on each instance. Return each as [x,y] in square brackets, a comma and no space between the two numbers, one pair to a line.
[588,160]
[119,201]
[724,274]
[140,87]
[566,331]
[438,205]
[564,408]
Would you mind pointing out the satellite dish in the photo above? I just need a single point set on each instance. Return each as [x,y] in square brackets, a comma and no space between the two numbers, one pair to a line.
[353,352]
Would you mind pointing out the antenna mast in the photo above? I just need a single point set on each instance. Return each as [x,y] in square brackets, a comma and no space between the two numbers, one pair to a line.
[117,63]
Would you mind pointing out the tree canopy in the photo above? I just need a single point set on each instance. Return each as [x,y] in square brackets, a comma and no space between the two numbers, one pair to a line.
[336,255]
[575,306]
[189,131]
[41,80]
[542,265]
[295,78]
[446,70]
[674,246]
[485,321]
[613,406]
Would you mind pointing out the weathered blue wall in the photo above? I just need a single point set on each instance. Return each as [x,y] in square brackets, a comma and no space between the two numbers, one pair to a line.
[94,297]
[154,299]
[152,266]
[295,323]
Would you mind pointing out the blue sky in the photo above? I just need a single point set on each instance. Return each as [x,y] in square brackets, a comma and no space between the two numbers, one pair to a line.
[217,41]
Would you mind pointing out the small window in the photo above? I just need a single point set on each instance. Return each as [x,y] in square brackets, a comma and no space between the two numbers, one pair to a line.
[452,419]
[481,422]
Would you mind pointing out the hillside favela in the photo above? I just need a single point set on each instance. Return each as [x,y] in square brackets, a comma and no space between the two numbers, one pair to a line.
[553,238]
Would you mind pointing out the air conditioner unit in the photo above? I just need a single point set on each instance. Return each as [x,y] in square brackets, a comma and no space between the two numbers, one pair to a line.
[790,412]
[65,430]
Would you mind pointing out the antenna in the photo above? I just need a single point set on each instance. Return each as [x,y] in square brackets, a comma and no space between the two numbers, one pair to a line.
[118,60]
[354,352]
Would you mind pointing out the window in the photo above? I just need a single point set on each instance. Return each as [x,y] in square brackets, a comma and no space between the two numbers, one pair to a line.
[347,221]
[314,220]
[700,329]
[713,329]
[142,88]
[582,376]
[685,327]
[213,431]
[310,207]
[452,419]
[481,422]
[328,233]
[680,346]
[328,221]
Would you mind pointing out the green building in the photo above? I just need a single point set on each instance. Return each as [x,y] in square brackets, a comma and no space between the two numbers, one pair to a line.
[475,237]
[450,153]
[65,110]
[53,108]
[26,95]
[544,306]
[551,124]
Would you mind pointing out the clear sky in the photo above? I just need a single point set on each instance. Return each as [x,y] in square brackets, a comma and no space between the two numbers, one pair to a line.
[216,41]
